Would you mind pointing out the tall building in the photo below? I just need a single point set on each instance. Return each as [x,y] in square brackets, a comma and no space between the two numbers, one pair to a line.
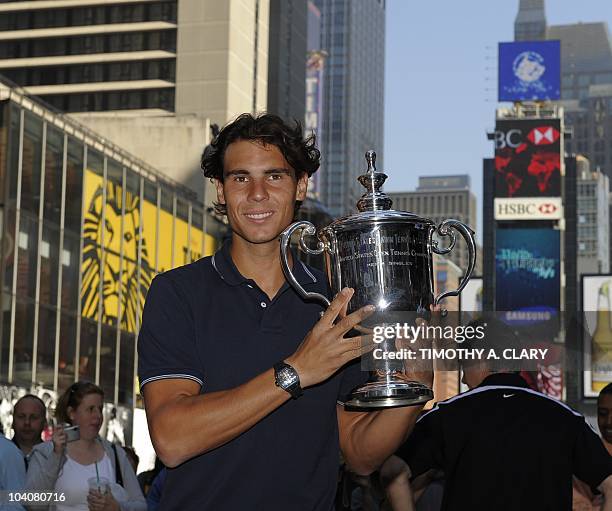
[530,22]
[149,75]
[200,57]
[287,58]
[586,79]
[593,227]
[85,228]
[313,33]
[353,35]
[439,198]
[591,120]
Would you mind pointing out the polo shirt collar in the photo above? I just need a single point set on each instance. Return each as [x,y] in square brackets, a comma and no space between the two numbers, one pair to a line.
[504,379]
[224,265]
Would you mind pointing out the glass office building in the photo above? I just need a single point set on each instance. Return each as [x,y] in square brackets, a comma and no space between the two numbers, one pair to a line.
[85,227]
[353,35]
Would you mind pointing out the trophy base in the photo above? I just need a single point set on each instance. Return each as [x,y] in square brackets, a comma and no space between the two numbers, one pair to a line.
[389,394]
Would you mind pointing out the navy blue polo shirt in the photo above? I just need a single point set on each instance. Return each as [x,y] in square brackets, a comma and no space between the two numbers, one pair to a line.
[208,323]
[504,446]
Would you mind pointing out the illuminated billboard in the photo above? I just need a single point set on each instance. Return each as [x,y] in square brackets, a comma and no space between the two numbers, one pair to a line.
[113,284]
[315,65]
[529,71]
[528,166]
[527,275]
[597,332]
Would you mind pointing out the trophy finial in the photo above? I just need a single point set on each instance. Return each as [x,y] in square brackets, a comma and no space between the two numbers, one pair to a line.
[372,180]
[370,157]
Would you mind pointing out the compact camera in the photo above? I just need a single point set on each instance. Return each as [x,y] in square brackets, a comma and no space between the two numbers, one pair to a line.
[72,433]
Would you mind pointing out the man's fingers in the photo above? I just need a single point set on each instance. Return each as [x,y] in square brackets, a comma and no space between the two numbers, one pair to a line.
[351,348]
[342,314]
[352,320]
[337,305]
[364,330]
[354,347]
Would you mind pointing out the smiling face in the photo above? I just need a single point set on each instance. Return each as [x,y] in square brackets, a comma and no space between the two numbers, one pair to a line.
[259,189]
[88,416]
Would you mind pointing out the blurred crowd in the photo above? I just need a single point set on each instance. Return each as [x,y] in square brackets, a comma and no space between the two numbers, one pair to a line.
[83,471]
[75,469]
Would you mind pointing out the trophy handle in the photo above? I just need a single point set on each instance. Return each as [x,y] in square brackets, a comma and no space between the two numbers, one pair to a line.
[444,229]
[308,229]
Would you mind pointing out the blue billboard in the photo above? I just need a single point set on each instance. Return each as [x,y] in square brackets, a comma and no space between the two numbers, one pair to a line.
[527,275]
[529,71]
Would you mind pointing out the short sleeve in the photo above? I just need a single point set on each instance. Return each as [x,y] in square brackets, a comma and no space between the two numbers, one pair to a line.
[592,462]
[421,450]
[167,341]
[351,377]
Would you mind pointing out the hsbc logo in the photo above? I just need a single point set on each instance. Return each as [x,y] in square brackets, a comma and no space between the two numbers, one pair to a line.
[528,208]
[547,209]
[543,135]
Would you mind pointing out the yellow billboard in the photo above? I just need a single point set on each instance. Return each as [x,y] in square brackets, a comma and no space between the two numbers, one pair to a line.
[114,287]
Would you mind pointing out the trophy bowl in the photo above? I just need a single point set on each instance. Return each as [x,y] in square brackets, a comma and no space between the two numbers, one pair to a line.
[386,256]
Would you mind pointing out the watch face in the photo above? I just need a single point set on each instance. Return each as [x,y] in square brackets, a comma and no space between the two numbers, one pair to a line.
[286,377]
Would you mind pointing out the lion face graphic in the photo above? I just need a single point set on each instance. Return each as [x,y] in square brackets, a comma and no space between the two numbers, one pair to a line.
[116,292]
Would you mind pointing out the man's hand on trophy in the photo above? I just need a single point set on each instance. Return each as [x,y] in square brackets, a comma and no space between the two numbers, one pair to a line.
[325,350]
[420,367]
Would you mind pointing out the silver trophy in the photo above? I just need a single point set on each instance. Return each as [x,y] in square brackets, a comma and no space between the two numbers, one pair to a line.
[386,256]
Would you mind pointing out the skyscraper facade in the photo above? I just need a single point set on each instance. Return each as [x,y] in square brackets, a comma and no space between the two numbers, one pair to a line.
[593,227]
[287,58]
[353,34]
[199,57]
[439,198]
[586,79]
[530,22]
[85,228]
[149,75]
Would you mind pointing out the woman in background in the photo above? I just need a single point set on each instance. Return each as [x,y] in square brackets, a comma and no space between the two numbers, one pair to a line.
[65,464]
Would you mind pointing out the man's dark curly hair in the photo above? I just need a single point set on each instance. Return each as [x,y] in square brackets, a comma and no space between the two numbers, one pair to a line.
[301,153]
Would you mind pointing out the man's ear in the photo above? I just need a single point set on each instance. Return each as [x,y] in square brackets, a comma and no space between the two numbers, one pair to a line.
[220,192]
[302,187]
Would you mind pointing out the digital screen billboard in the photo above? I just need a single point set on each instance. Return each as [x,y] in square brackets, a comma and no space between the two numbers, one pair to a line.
[527,275]
[529,71]
[528,158]
[315,66]
[597,332]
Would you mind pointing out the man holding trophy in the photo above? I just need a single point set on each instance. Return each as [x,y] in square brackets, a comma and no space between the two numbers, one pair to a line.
[243,373]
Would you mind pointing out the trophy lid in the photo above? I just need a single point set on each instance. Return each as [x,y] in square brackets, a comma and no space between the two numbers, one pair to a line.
[374,199]
[375,205]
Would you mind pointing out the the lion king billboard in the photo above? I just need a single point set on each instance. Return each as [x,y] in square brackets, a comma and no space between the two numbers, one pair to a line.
[115,280]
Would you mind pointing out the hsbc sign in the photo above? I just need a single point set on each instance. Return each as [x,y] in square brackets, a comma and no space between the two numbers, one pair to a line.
[528,158]
[543,135]
[529,208]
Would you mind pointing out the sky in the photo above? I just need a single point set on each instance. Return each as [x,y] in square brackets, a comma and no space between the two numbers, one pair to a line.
[441,82]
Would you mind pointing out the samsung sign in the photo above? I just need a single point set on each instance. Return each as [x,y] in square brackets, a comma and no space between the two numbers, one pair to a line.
[529,208]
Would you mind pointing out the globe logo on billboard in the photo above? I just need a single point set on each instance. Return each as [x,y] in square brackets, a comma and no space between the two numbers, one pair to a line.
[529,71]
[529,67]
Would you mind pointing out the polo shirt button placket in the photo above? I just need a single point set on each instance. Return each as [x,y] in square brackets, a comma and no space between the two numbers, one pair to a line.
[264,304]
